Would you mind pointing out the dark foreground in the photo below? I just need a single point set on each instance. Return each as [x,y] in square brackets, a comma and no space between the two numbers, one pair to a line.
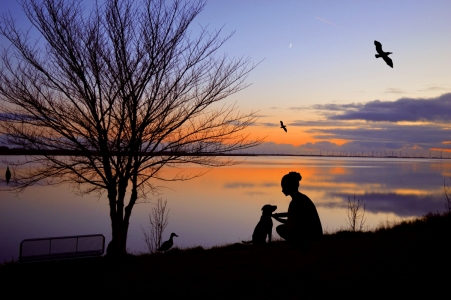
[411,259]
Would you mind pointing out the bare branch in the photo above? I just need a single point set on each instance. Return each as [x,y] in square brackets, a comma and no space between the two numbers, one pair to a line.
[158,221]
[355,211]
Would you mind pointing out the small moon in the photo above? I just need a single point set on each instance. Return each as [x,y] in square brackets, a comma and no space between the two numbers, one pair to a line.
[290,45]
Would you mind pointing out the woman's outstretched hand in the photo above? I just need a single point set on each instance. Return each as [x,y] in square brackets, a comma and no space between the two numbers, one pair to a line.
[277,217]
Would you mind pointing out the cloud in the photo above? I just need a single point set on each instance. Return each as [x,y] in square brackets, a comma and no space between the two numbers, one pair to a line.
[412,140]
[404,109]
[236,185]
[374,127]
[324,123]
[434,88]
[269,124]
[17,117]
[337,107]
[412,134]
[269,184]
[394,91]
[239,184]
[298,108]
[254,193]
[405,205]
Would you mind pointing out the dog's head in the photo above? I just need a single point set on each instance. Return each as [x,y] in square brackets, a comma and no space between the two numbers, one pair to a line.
[268,209]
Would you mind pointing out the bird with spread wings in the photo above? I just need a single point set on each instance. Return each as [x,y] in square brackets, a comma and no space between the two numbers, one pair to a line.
[383,54]
[283,126]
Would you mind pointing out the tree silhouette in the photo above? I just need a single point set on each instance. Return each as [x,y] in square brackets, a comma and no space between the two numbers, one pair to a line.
[105,99]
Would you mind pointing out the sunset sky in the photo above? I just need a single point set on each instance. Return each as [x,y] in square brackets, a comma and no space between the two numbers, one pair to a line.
[315,70]
[328,88]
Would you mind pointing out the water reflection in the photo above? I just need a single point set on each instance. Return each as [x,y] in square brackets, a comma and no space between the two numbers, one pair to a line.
[218,207]
[401,205]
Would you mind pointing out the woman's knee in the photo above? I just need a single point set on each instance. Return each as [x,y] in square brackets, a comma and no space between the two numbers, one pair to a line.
[284,233]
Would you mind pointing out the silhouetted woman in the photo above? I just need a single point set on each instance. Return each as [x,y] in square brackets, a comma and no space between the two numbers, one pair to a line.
[302,224]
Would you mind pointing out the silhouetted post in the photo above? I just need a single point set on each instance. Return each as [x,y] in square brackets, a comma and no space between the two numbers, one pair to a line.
[7,175]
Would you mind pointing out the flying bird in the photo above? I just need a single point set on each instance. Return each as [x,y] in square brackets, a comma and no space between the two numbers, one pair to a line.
[7,175]
[283,126]
[168,244]
[383,54]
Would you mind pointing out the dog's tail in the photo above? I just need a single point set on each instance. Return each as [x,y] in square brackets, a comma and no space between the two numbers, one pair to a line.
[247,242]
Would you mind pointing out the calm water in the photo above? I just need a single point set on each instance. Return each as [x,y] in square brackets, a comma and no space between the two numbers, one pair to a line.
[224,205]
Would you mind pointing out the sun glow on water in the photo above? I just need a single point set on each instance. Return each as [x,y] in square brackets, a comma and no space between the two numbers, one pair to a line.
[223,206]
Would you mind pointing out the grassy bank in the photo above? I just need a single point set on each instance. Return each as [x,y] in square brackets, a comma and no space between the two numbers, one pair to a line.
[407,259]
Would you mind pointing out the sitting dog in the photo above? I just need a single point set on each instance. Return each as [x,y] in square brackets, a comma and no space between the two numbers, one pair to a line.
[264,227]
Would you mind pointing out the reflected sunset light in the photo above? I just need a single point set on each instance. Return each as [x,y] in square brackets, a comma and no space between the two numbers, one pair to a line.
[224,205]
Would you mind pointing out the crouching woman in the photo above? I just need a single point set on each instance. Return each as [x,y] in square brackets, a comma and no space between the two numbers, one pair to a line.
[301,224]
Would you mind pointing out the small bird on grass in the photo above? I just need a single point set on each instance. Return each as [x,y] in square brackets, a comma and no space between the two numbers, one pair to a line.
[383,54]
[283,126]
[7,175]
[168,244]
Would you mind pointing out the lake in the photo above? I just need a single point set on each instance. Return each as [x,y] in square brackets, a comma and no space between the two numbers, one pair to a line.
[224,205]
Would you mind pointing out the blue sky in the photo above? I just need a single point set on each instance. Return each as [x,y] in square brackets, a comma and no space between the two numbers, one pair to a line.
[331,62]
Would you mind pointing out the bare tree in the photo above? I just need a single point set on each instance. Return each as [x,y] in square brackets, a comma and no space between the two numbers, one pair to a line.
[108,98]
[158,221]
[355,212]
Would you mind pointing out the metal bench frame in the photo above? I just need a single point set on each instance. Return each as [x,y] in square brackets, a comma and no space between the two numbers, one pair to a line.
[64,247]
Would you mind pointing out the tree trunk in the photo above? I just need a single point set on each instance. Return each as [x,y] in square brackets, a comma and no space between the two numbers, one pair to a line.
[120,218]
[118,245]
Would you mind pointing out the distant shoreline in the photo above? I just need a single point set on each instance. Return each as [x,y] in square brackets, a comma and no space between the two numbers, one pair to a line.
[24,152]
